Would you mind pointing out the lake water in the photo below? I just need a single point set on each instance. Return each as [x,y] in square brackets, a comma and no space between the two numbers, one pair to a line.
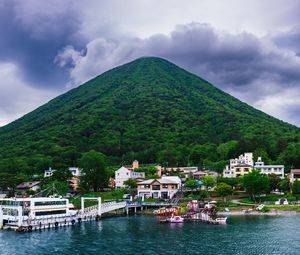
[143,235]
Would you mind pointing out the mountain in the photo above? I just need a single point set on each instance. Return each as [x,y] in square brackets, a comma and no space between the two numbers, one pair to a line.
[148,109]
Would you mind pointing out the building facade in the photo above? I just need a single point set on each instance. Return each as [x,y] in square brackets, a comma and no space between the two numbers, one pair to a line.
[123,174]
[49,172]
[269,169]
[294,175]
[159,188]
[239,166]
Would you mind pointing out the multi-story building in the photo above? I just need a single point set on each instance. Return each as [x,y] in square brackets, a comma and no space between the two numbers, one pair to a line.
[123,174]
[237,171]
[269,169]
[164,187]
[246,158]
[239,166]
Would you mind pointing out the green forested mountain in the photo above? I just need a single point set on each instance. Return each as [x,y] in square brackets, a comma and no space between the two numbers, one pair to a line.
[150,110]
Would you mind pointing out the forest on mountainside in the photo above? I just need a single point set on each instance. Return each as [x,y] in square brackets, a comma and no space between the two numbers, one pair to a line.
[149,110]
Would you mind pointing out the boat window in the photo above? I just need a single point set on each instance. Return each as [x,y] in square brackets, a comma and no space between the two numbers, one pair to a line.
[50,212]
[45,203]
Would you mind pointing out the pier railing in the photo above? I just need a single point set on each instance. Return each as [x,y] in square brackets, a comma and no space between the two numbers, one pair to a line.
[105,207]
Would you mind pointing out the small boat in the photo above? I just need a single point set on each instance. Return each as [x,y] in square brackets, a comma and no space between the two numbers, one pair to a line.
[176,219]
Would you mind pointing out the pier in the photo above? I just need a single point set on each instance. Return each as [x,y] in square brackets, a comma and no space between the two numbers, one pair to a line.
[24,219]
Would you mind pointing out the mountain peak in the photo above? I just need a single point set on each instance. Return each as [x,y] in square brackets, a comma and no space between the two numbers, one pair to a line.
[136,111]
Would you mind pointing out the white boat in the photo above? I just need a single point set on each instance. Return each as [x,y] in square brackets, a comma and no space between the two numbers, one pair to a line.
[26,211]
[176,219]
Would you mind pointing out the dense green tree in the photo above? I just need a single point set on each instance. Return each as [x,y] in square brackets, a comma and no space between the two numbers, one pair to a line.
[131,183]
[208,181]
[284,185]
[291,155]
[57,187]
[201,152]
[94,171]
[274,181]
[233,182]
[168,157]
[61,175]
[191,184]
[150,171]
[227,150]
[223,190]
[255,184]
[296,188]
[9,182]
[260,152]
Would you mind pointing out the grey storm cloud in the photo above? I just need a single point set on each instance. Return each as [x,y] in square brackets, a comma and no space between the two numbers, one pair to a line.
[50,46]
[233,62]
[289,39]
[33,44]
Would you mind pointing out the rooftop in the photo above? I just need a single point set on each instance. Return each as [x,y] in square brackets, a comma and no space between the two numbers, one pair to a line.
[28,185]
[161,181]
[295,171]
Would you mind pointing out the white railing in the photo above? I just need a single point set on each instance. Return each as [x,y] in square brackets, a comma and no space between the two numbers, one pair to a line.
[105,207]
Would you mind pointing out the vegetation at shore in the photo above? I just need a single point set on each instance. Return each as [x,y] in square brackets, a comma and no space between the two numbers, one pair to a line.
[149,110]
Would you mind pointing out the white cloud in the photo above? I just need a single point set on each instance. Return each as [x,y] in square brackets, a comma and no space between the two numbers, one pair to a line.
[284,105]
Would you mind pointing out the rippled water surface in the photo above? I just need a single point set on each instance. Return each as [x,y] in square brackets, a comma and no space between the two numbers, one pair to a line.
[143,235]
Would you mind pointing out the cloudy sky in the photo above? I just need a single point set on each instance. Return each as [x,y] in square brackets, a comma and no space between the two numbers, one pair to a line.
[250,49]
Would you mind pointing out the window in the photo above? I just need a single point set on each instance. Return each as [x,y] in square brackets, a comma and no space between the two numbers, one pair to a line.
[165,186]
[238,170]
[50,212]
[246,170]
[155,187]
[45,203]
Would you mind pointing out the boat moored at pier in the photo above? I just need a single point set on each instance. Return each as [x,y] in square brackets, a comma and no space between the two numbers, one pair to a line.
[19,212]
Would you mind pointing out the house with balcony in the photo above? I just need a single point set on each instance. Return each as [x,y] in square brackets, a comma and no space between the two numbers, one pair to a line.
[164,187]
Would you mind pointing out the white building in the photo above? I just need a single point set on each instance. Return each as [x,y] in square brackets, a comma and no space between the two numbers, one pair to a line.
[75,171]
[123,174]
[243,159]
[164,187]
[269,169]
[49,172]
[246,158]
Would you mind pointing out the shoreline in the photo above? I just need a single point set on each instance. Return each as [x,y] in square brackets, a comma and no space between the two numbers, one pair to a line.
[272,212]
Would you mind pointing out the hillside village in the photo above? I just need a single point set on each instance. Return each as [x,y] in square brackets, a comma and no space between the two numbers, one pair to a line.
[153,181]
